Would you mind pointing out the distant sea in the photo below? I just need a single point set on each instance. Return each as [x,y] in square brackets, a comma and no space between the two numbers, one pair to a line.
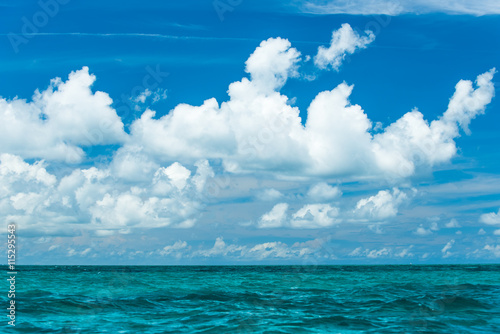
[257,299]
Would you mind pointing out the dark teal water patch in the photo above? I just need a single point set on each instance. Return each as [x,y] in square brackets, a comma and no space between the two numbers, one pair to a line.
[258,299]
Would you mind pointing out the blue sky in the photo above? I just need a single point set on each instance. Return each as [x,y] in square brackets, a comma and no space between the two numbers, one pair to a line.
[241,132]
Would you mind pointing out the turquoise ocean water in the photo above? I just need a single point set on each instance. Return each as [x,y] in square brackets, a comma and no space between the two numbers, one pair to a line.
[257,299]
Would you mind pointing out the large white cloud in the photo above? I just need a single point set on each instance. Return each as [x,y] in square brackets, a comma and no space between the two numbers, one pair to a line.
[158,175]
[60,120]
[258,130]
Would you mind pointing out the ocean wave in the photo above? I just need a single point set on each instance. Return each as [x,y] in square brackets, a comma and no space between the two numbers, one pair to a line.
[258,300]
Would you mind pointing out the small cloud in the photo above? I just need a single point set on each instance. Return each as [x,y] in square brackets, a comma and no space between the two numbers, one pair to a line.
[269,195]
[447,247]
[405,252]
[271,249]
[274,218]
[43,240]
[372,254]
[356,252]
[315,216]
[344,41]
[421,231]
[160,94]
[73,252]
[220,248]
[104,233]
[188,223]
[495,250]
[175,249]
[309,216]
[178,175]
[141,98]
[491,218]
[86,251]
[381,206]
[156,96]
[323,192]
[376,228]
[481,232]
[452,224]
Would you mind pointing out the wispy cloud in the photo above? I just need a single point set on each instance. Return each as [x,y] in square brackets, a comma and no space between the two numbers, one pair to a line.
[136,35]
[397,7]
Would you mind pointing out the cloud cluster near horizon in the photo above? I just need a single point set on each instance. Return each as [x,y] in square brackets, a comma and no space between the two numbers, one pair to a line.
[313,251]
[157,177]
[493,219]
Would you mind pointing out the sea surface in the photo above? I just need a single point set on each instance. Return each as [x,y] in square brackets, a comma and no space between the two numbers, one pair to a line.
[257,299]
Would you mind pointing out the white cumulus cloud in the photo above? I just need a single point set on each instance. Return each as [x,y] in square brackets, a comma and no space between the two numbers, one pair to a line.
[491,218]
[310,216]
[371,253]
[97,199]
[220,248]
[60,120]
[274,218]
[412,142]
[381,206]
[446,249]
[258,129]
[269,195]
[157,176]
[315,216]
[495,250]
[422,231]
[344,41]
[453,223]
[178,249]
[323,192]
